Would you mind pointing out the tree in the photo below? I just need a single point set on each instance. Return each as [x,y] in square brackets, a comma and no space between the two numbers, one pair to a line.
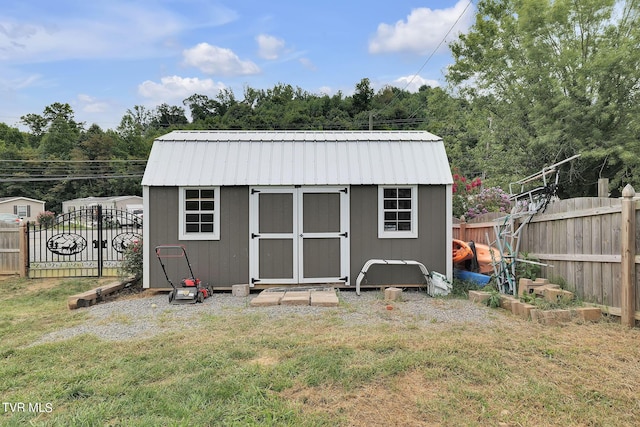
[201,107]
[562,76]
[362,96]
[168,115]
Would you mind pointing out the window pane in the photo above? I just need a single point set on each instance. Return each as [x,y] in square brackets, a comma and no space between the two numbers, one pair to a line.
[404,193]
[404,204]
[404,226]
[404,216]
[206,228]
[192,206]
[390,226]
[206,194]
[390,193]
[192,194]
[206,218]
[192,217]
[390,204]
[390,216]
[192,228]
[207,205]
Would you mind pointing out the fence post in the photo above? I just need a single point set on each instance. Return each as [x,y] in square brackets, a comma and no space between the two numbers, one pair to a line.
[628,256]
[463,230]
[603,187]
[24,256]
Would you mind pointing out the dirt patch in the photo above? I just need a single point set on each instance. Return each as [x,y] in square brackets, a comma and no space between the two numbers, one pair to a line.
[395,402]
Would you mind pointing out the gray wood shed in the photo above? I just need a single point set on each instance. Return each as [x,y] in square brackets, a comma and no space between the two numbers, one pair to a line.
[294,207]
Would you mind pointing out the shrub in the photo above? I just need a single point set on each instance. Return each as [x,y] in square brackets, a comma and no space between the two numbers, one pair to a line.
[492,199]
[132,261]
[46,218]
[463,193]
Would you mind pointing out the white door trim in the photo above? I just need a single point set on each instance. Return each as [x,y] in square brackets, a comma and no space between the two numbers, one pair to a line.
[297,236]
[255,236]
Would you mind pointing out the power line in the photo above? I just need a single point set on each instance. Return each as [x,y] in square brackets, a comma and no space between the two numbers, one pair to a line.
[67,178]
[424,64]
[28,170]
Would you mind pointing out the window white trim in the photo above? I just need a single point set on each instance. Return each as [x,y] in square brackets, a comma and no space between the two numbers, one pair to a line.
[398,234]
[182,215]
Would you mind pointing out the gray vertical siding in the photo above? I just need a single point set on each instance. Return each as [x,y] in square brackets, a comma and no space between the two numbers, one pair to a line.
[223,262]
[429,248]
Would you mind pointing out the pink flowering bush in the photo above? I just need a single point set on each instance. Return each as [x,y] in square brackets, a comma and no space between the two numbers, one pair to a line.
[132,261]
[471,200]
[463,192]
[492,199]
[46,218]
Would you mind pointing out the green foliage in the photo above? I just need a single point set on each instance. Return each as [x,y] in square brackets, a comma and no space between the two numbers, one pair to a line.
[494,298]
[46,218]
[464,191]
[132,260]
[585,101]
[525,269]
[461,288]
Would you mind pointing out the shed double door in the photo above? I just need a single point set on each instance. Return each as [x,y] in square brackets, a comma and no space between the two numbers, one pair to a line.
[299,235]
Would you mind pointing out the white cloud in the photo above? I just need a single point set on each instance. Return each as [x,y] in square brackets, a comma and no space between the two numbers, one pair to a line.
[217,60]
[413,83]
[423,30]
[269,47]
[115,29]
[176,88]
[89,104]
[17,82]
[306,63]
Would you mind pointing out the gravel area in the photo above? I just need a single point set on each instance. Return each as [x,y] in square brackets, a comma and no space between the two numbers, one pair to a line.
[145,316]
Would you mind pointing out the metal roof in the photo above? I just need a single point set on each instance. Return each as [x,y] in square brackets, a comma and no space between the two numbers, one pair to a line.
[183,158]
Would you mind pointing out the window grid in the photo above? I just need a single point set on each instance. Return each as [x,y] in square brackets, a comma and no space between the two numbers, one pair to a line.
[199,210]
[397,209]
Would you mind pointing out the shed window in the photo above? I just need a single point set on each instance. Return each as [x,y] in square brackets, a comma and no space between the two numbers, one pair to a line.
[398,211]
[199,213]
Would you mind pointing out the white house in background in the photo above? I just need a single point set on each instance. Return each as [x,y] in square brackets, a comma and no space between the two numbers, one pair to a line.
[26,208]
[124,203]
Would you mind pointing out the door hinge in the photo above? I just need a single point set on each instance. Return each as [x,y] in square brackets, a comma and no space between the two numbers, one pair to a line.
[254,191]
[254,235]
[344,279]
[345,234]
[253,280]
[345,190]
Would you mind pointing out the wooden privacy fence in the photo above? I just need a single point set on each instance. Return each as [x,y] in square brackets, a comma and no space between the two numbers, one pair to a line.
[588,241]
[12,250]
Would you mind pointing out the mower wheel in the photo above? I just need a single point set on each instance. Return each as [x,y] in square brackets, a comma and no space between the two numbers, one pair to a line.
[170,297]
[200,297]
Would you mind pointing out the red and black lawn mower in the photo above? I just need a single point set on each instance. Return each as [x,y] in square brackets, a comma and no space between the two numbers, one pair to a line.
[191,289]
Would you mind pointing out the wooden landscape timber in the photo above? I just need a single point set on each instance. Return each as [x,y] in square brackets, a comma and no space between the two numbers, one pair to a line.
[93,296]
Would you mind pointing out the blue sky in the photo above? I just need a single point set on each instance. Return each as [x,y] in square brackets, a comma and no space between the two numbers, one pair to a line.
[104,57]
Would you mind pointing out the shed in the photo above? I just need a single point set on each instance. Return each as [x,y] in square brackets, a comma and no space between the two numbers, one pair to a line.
[294,207]
[26,208]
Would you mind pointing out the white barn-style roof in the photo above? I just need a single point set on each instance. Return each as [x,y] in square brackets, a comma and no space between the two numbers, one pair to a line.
[183,158]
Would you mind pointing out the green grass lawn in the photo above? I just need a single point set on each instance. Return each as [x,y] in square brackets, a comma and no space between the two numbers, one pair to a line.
[241,370]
